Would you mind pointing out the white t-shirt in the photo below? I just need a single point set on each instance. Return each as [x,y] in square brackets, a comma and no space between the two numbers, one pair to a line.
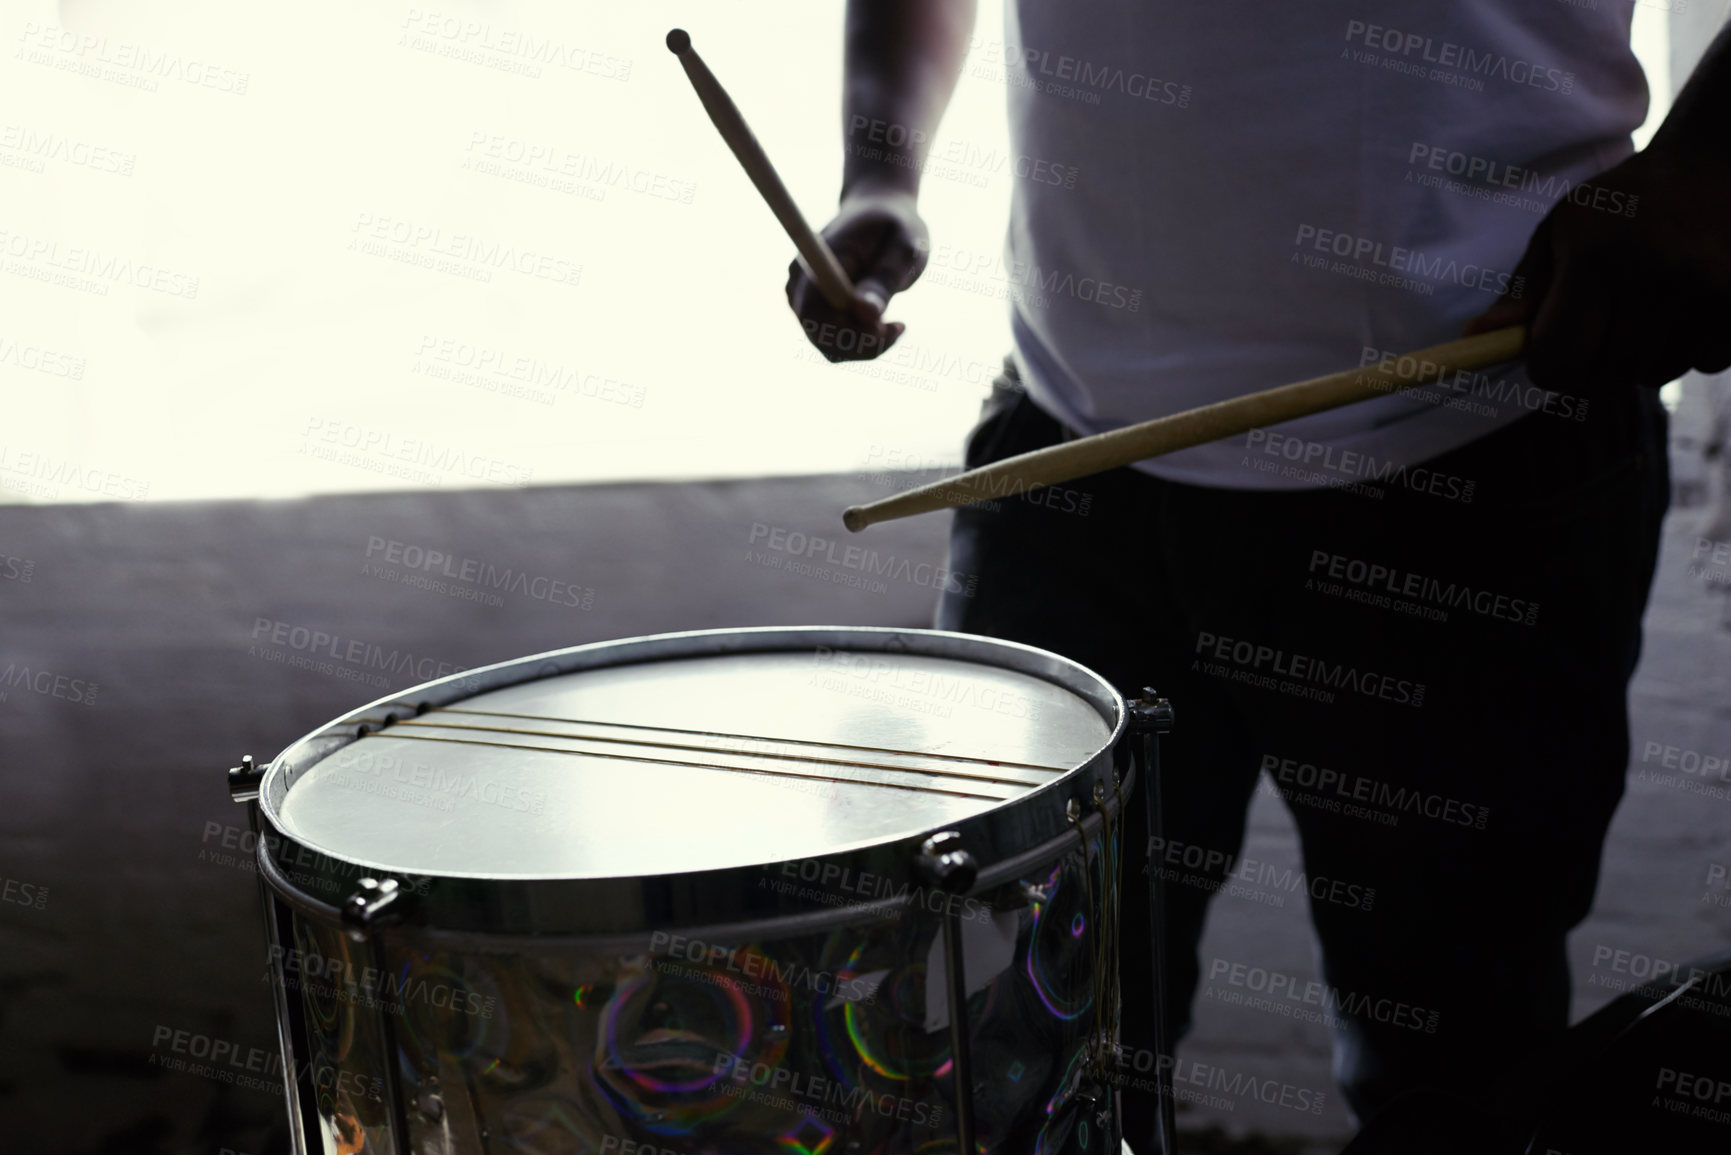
[1221,196]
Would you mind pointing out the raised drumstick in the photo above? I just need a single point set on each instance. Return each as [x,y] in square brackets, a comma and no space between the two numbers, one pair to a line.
[832,279]
[1103,451]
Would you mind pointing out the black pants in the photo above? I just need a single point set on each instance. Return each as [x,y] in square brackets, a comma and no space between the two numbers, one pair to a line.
[1435,686]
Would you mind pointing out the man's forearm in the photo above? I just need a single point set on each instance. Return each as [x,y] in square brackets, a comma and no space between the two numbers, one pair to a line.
[901,62]
[1700,118]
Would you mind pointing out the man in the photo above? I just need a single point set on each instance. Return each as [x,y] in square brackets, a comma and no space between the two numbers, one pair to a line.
[1417,615]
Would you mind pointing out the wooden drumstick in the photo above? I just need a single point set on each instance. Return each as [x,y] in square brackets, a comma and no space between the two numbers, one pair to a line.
[1103,451]
[832,280]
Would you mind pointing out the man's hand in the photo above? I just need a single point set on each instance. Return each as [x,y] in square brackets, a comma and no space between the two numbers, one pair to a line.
[879,238]
[1628,280]
[901,61]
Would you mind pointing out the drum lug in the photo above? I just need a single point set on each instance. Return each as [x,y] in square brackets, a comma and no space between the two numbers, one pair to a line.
[244,780]
[1091,1101]
[1150,713]
[954,871]
[1150,717]
[369,905]
[944,862]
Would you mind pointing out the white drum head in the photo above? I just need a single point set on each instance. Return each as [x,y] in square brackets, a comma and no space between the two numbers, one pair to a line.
[691,764]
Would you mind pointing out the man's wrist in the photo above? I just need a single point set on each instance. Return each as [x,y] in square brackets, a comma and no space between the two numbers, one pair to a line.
[877,181]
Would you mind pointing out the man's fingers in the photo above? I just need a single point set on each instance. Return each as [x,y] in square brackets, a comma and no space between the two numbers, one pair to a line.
[1501,315]
[882,249]
[1568,332]
[1664,341]
[855,333]
[1508,309]
[892,267]
[799,283]
[1706,338]
[1624,344]
[1715,353]
[851,334]
[872,297]
[1528,285]
[1660,366]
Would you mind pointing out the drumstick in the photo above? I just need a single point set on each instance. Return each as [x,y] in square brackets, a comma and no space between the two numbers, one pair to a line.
[1103,451]
[832,279]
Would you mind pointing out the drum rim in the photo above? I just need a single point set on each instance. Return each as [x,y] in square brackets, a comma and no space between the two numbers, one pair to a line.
[786,925]
[625,904]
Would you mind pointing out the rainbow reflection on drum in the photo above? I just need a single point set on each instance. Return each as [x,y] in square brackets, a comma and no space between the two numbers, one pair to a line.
[661,896]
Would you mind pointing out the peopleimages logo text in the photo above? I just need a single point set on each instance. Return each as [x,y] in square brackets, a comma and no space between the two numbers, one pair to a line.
[1547,188]
[394,990]
[1307,776]
[1333,1001]
[472,571]
[811,547]
[754,965]
[1354,466]
[1392,580]
[1219,865]
[851,1100]
[1510,389]
[1448,54]
[351,650]
[1305,669]
[871,887]
[1404,260]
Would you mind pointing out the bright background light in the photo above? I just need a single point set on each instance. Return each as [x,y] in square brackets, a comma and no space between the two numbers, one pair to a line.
[677,353]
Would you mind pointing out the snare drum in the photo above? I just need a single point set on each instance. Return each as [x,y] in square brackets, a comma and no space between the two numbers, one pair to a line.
[698,893]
